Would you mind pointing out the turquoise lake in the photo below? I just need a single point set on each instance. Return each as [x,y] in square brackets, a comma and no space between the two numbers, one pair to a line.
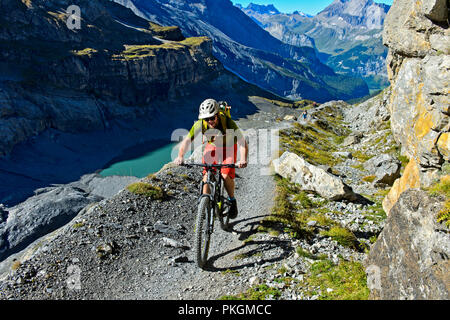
[136,162]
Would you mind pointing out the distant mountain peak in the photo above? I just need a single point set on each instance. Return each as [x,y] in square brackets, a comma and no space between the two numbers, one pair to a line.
[352,7]
[263,9]
[302,14]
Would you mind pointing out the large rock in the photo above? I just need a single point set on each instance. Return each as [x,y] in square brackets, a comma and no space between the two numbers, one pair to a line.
[312,178]
[385,167]
[410,258]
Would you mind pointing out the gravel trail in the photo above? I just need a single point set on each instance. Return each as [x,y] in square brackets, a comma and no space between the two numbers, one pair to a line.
[129,247]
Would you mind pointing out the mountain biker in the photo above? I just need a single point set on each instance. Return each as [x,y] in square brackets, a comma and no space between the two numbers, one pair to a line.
[223,136]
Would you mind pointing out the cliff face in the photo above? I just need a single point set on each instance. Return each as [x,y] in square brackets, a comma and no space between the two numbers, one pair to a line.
[410,258]
[252,53]
[47,68]
[417,35]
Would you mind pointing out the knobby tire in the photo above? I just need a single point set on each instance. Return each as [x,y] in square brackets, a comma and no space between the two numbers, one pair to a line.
[202,235]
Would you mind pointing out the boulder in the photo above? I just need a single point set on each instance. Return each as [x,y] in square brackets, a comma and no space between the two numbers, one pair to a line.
[311,178]
[290,118]
[352,139]
[385,167]
[410,258]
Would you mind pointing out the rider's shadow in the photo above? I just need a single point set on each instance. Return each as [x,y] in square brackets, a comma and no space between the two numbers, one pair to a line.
[261,246]
[259,249]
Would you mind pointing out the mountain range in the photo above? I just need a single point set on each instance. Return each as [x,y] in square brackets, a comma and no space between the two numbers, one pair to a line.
[347,35]
[251,52]
[78,97]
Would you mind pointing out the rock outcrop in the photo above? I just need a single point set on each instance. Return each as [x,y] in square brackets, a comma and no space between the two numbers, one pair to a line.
[417,35]
[410,258]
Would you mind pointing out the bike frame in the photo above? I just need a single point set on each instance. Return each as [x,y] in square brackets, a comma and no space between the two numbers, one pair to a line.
[216,197]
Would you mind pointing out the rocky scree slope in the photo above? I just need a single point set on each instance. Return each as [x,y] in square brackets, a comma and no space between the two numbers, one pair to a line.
[246,49]
[347,36]
[128,246]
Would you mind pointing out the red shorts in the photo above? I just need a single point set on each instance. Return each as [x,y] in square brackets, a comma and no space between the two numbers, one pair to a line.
[221,155]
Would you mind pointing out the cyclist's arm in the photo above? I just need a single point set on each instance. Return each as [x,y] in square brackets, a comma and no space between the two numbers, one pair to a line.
[244,153]
[183,149]
[196,128]
[241,142]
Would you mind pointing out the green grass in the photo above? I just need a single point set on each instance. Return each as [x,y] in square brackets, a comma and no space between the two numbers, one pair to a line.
[261,292]
[147,190]
[369,179]
[194,41]
[85,52]
[316,141]
[347,280]
[162,29]
[342,235]
[442,188]
[292,211]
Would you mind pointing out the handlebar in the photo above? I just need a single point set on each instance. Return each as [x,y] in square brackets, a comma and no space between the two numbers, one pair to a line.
[205,165]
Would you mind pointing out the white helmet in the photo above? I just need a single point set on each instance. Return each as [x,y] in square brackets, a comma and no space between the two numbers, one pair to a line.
[208,109]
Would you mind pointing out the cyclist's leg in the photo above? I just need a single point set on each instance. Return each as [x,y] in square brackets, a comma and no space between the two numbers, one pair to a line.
[229,184]
[228,174]
[209,156]
[206,188]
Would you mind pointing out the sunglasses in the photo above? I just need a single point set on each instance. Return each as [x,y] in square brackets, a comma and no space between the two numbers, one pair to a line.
[213,118]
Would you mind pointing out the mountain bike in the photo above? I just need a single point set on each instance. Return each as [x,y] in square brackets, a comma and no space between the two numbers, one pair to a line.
[210,206]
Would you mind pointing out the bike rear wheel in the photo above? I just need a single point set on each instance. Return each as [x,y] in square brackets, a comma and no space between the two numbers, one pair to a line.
[202,231]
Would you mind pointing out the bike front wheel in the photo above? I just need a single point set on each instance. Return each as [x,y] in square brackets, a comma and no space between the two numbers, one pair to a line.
[202,231]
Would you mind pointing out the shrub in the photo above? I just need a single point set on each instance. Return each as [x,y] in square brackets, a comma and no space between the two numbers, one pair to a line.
[343,236]
[147,190]
[443,189]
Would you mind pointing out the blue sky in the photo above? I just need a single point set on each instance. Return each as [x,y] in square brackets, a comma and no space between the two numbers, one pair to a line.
[307,6]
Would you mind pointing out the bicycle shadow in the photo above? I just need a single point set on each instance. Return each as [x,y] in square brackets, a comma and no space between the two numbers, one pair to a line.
[261,246]
[253,227]
[257,248]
